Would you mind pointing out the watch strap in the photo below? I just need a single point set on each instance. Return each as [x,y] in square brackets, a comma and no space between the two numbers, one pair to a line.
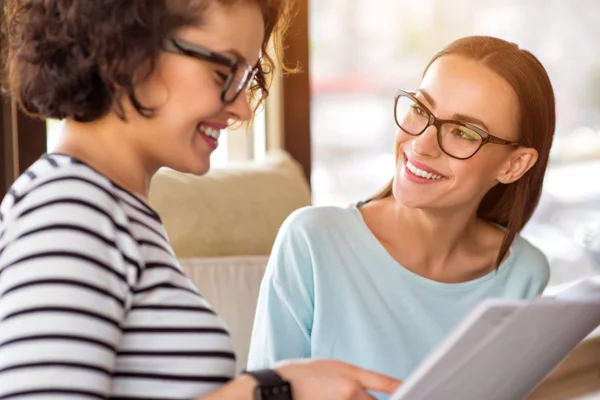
[271,386]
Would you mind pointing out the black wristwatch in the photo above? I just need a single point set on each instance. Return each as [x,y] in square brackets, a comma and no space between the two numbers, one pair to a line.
[270,386]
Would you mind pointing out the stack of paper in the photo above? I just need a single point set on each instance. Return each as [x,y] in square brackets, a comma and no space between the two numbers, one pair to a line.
[504,349]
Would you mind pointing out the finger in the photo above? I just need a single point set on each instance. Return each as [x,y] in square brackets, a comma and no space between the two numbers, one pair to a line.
[364,396]
[376,381]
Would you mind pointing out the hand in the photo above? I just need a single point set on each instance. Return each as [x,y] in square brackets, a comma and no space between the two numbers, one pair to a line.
[333,380]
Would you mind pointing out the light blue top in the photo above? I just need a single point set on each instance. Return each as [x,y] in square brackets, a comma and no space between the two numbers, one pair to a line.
[331,290]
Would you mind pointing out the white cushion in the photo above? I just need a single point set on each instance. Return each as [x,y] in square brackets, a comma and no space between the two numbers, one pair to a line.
[233,210]
[230,284]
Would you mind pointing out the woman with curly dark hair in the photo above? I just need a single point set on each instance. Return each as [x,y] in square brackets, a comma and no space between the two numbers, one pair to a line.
[93,303]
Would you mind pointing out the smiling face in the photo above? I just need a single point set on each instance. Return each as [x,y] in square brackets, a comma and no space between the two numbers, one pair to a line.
[457,88]
[187,91]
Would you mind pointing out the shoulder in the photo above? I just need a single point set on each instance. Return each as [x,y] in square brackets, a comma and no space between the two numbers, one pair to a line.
[309,230]
[70,216]
[318,219]
[530,262]
[313,226]
[57,189]
[54,175]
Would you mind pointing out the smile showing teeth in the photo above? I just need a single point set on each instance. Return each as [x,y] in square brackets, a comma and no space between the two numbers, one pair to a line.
[210,132]
[420,172]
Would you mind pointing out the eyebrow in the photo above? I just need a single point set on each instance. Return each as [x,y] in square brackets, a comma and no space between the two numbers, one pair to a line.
[458,117]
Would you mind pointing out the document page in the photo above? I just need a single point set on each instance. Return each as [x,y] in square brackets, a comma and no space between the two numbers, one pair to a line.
[503,349]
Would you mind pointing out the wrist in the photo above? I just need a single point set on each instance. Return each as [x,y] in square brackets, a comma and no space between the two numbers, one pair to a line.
[270,385]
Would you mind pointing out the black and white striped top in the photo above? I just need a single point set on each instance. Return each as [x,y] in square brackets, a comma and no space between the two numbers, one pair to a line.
[93,303]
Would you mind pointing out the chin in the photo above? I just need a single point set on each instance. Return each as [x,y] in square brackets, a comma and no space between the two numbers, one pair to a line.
[194,167]
[410,198]
[403,197]
[199,170]
[411,203]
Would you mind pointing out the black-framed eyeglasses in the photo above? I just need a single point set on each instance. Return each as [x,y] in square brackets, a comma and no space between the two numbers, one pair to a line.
[240,74]
[457,139]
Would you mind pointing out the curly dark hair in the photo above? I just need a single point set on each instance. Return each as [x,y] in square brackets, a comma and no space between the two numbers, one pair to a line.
[78,58]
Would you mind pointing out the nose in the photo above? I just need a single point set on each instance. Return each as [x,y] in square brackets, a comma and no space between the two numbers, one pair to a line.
[426,144]
[240,108]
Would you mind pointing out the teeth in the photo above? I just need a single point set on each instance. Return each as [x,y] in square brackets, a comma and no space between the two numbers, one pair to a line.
[210,132]
[420,172]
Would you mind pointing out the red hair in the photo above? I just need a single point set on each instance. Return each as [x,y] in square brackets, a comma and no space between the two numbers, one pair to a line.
[512,205]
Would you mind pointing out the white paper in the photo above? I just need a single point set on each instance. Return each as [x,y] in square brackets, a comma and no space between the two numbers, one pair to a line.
[504,348]
[586,289]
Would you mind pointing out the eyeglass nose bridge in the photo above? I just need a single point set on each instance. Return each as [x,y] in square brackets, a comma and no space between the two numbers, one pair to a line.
[433,121]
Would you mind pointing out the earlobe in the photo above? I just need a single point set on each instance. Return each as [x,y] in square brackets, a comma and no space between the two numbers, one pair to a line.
[520,162]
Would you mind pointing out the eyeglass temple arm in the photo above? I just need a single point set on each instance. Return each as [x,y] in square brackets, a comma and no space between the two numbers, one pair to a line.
[172,44]
[495,140]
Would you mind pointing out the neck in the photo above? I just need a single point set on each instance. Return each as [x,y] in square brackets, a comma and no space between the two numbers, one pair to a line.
[436,235]
[106,146]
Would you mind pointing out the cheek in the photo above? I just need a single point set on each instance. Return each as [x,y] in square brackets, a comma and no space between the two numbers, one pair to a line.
[187,88]
[476,174]
[199,96]
[402,140]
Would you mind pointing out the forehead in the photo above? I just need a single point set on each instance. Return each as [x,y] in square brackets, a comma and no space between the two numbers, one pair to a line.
[463,86]
[237,27]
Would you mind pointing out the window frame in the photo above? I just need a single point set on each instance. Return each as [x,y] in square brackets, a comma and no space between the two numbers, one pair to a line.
[23,140]
[295,95]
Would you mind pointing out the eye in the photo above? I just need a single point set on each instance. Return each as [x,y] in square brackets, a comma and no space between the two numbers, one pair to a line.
[416,109]
[466,134]
[221,75]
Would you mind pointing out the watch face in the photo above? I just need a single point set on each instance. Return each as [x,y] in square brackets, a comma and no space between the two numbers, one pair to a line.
[281,391]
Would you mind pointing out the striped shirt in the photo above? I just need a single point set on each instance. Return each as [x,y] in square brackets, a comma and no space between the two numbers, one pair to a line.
[93,303]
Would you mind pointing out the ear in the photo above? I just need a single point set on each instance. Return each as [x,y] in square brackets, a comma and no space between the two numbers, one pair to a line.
[519,162]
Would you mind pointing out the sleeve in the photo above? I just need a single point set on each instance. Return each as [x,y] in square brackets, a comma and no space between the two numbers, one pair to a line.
[284,313]
[64,290]
[543,278]
[535,270]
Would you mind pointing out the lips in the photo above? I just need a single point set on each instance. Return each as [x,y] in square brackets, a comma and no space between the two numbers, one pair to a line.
[211,133]
[422,170]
